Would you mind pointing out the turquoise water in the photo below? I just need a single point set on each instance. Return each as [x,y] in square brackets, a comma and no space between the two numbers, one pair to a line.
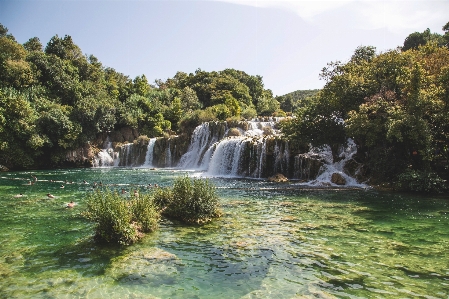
[273,241]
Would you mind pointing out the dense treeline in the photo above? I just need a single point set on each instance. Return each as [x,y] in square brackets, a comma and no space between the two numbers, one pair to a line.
[296,99]
[395,105]
[55,98]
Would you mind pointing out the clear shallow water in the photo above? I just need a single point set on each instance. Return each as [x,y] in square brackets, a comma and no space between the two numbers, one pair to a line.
[274,241]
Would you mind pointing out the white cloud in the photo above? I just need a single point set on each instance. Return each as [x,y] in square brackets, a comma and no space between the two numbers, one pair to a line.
[399,16]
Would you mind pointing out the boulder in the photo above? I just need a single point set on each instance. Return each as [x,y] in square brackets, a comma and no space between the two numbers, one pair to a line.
[338,179]
[233,132]
[278,178]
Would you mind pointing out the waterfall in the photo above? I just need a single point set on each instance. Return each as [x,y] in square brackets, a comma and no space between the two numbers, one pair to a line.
[201,142]
[237,149]
[225,160]
[126,157]
[168,160]
[285,158]
[331,167]
[217,155]
[105,157]
[261,153]
[150,151]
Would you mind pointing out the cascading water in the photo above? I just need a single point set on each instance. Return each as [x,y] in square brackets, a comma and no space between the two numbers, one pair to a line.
[149,155]
[330,168]
[168,156]
[224,156]
[261,153]
[201,142]
[244,149]
[105,158]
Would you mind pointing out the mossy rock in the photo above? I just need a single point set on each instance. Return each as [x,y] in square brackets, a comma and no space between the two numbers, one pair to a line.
[278,178]
[233,132]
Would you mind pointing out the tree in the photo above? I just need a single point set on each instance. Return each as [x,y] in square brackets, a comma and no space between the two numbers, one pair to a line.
[189,99]
[392,104]
[14,70]
[4,33]
[64,48]
[363,54]
[20,141]
[33,44]
[141,85]
[416,39]
[267,105]
[446,34]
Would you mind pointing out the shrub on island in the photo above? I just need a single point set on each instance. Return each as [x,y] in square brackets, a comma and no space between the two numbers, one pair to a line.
[191,201]
[120,220]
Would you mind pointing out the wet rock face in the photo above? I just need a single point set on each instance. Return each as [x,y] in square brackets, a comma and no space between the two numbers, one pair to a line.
[307,166]
[356,170]
[338,179]
[81,156]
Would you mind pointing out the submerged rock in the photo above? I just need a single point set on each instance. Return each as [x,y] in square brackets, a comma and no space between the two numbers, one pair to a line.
[145,266]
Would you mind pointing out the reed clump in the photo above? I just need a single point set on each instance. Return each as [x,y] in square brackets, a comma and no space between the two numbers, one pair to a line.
[121,220]
[189,200]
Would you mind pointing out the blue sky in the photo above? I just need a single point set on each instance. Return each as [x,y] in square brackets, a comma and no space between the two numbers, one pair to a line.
[286,42]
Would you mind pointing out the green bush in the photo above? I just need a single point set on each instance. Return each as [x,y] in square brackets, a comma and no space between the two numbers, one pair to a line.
[191,201]
[421,181]
[120,220]
[249,113]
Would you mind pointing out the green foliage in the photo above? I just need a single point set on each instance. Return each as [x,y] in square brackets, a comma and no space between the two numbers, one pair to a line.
[120,220]
[416,39]
[14,70]
[392,104]
[33,44]
[267,105]
[190,121]
[189,100]
[296,99]
[70,98]
[315,124]
[249,113]
[446,35]
[215,88]
[20,141]
[221,111]
[421,181]
[192,201]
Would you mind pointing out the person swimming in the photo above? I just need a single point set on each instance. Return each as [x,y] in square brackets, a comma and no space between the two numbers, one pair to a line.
[18,195]
[71,204]
[50,195]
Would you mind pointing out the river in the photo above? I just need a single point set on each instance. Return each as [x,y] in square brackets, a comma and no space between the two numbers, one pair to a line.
[273,241]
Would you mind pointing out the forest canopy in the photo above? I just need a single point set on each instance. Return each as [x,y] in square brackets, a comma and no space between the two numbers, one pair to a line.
[394,105]
[54,98]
